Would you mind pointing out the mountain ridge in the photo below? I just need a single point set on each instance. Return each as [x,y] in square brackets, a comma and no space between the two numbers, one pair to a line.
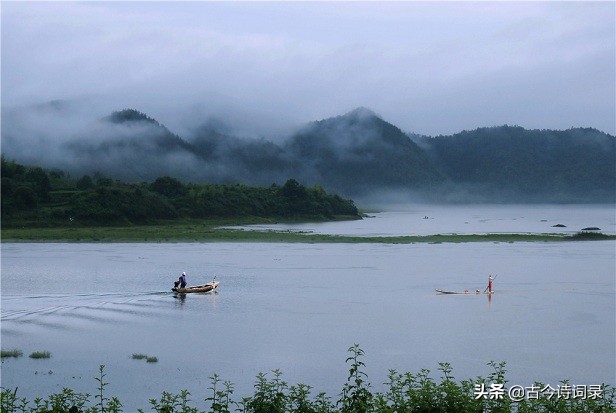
[576,161]
[356,153]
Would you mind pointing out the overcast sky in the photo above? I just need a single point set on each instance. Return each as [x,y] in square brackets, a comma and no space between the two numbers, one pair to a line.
[428,67]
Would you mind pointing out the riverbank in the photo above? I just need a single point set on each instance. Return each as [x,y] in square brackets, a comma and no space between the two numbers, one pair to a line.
[219,231]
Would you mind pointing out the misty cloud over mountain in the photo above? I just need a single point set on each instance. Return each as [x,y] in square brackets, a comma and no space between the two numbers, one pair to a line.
[361,151]
[356,154]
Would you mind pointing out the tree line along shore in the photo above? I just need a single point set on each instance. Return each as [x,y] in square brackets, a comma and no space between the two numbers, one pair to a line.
[50,205]
[33,197]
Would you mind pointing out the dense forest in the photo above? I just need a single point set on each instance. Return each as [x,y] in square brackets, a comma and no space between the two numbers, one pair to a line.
[38,197]
[359,152]
[357,155]
[513,163]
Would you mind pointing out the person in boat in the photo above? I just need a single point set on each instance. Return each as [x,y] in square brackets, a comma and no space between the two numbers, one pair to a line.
[181,282]
[489,287]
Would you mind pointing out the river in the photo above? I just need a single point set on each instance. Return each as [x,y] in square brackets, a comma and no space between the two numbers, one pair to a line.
[298,307]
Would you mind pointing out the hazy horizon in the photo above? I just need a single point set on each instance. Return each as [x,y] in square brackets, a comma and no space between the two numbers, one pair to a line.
[268,68]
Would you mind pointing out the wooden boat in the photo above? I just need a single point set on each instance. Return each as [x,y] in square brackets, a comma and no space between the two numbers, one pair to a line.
[461,292]
[205,288]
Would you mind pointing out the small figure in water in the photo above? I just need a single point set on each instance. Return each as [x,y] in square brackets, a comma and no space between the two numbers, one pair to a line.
[489,287]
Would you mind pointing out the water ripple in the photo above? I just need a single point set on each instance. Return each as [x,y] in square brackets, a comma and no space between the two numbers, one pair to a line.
[102,307]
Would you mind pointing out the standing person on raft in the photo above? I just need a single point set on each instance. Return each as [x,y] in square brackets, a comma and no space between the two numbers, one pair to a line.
[489,287]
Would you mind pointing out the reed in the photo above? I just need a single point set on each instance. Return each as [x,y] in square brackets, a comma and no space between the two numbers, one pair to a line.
[40,355]
[147,358]
[15,353]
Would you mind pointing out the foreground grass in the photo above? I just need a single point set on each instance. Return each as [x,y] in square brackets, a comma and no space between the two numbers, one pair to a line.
[405,393]
[211,231]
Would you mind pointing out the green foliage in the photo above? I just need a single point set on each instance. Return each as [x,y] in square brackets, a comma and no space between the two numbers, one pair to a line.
[405,393]
[169,187]
[120,204]
[67,401]
[512,163]
[269,395]
[356,396]
[39,181]
[359,152]
[85,182]
[129,115]
[40,355]
[9,402]
[220,401]
[22,188]
[173,403]
[28,198]
[105,404]
[589,236]
[276,395]
[11,353]
[149,359]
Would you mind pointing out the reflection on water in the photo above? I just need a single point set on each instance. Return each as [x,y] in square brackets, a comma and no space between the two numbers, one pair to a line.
[298,307]
[181,298]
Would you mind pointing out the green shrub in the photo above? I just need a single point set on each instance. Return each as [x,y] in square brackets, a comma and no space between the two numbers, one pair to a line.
[11,353]
[149,359]
[405,393]
[40,355]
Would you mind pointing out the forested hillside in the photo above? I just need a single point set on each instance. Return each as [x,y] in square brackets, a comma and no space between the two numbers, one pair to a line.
[34,196]
[514,163]
[360,152]
[357,155]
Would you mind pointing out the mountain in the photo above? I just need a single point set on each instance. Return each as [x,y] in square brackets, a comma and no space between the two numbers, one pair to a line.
[146,133]
[256,161]
[359,152]
[129,145]
[516,164]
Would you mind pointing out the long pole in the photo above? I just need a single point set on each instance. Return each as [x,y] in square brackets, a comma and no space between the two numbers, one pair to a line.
[489,285]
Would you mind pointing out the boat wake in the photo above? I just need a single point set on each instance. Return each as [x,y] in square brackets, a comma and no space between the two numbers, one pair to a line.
[53,310]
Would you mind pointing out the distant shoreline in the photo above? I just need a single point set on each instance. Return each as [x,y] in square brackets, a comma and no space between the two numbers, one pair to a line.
[212,231]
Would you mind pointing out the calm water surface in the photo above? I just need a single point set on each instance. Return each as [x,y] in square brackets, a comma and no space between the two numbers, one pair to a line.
[298,307]
[466,219]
